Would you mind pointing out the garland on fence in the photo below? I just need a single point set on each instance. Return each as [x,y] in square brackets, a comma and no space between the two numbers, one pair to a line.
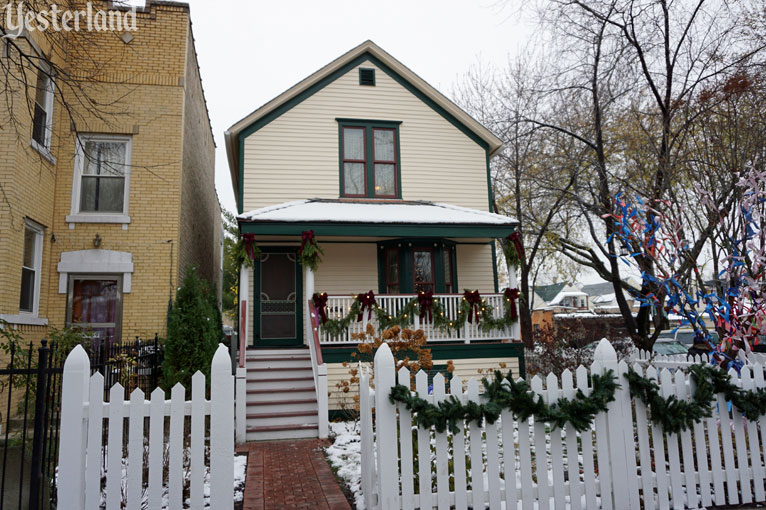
[473,308]
[505,394]
[310,253]
[676,415]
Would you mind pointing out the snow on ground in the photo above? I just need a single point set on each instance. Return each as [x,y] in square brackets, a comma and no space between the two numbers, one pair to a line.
[240,468]
[344,455]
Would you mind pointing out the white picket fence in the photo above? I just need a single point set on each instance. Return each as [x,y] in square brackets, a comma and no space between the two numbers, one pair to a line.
[685,360]
[622,462]
[84,414]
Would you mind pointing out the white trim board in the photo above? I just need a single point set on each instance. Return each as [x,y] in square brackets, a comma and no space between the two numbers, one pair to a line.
[96,261]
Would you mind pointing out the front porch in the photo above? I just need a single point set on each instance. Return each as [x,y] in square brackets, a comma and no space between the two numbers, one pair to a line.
[394,251]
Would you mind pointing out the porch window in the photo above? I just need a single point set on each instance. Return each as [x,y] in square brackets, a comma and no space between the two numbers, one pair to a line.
[392,271]
[369,159]
[423,270]
[447,260]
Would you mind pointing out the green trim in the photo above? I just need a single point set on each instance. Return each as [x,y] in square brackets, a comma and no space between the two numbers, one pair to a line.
[494,266]
[489,182]
[368,126]
[271,342]
[299,98]
[367,122]
[378,229]
[443,351]
[373,76]
[406,284]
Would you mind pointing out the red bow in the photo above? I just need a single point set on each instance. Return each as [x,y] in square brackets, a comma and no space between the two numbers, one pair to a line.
[515,238]
[474,299]
[307,236]
[512,295]
[367,301]
[426,301]
[320,303]
[249,240]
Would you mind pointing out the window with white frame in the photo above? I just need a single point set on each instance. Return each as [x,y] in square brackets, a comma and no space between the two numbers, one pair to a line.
[102,175]
[29,300]
[42,123]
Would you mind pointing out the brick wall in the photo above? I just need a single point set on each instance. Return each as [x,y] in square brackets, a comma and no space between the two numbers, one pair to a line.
[145,89]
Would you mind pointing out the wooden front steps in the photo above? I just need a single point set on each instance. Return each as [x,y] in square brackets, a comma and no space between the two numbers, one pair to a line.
[281,399]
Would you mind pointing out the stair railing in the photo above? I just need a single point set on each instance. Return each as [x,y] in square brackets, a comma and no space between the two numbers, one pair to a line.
[319,369]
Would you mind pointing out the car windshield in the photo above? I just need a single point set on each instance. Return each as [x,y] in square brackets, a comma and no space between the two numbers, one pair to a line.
[669,348]
[685,337]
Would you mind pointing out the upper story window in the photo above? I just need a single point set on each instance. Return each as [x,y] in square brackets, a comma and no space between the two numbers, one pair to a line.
[369,156]
[42,123]
[102,175]
[29,300]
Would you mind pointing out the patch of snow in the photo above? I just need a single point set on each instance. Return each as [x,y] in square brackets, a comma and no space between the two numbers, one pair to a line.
[419,212]
[345,455]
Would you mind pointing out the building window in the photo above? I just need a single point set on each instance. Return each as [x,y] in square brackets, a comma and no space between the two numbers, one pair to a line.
[95,303]
[102,175]
[42,123]
[369,156]
[29,301]
[393,285]
[366,76]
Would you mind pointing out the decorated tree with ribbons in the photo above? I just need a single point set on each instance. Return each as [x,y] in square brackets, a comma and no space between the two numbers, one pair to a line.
[727,313]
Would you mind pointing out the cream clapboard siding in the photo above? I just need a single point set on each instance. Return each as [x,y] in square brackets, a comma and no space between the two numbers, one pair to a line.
[464,368]
[347,269]
[474,267]
[295,156]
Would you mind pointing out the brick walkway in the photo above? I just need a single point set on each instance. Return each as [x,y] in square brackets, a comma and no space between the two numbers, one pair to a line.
[290,474]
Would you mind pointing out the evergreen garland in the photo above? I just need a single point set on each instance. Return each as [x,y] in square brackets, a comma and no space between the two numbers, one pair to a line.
[240,251]
[516,397]
[676,415]
[405,317]
[310,253]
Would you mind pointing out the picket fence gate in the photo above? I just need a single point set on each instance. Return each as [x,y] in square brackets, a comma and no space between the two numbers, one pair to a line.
[84,414]
[623,461]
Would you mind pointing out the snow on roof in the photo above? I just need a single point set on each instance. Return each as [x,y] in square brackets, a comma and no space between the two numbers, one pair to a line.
[341,211]
[605,298]
[566,293]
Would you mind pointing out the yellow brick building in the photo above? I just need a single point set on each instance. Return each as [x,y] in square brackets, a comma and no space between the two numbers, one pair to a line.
[107,189]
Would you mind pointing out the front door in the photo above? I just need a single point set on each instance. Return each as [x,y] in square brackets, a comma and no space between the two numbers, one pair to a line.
[279,299]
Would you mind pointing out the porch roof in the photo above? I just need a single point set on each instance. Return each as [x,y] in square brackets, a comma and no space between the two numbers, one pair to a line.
[375,218]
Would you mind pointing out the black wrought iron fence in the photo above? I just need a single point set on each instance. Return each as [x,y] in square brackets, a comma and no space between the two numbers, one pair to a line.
[30,407]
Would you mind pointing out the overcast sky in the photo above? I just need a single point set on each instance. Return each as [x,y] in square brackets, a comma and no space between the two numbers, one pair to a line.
[252,50]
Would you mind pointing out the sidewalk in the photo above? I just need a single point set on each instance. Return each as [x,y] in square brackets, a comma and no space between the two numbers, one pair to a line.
[290,474]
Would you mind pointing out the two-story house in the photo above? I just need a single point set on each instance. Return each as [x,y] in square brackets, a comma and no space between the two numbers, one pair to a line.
[107,183]
[393,180]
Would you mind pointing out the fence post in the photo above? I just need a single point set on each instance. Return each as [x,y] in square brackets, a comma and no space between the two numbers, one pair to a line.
[367,441]
[385,430]
[241,405]
[221,431]
[322,401]
[74,394]
[619,430]
[155,368]
[36,468]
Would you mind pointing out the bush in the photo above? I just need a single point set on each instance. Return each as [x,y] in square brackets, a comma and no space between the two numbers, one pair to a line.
[193,332]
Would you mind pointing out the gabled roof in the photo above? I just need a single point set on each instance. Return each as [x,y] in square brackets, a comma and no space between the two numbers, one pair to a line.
[326,75]
[548,292]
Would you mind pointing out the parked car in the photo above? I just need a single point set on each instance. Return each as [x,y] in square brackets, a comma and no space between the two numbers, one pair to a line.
[668,346]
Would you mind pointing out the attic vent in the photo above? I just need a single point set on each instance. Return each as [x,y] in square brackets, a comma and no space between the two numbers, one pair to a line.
[367,77]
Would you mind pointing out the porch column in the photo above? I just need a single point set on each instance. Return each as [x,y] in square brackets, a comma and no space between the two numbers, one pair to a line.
[240,388]
[309,274]
[513,283]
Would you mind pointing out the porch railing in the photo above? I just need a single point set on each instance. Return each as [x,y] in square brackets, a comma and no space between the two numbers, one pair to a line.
[338,306]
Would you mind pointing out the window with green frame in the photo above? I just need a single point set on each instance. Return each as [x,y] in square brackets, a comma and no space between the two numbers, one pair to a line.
[407,266]
[370,165]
